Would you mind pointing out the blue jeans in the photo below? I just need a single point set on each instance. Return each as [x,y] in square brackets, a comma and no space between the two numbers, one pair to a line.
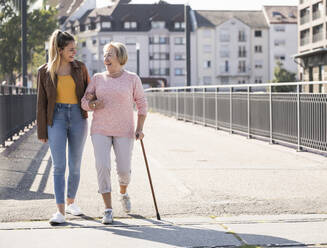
[68,125]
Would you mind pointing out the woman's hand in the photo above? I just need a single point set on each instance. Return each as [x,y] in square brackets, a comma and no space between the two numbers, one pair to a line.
[90,96]
[96,104]
[43,140]
[139,134]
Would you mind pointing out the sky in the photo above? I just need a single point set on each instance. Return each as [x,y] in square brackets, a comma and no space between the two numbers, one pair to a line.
[226,4]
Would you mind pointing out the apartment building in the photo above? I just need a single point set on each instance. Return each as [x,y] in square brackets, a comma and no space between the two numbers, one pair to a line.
[282,22]
[157,30]
[312,43]
[232,47]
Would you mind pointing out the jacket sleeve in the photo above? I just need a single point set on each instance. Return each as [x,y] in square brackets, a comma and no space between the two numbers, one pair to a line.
[139,97]
[90,89]
[41,111]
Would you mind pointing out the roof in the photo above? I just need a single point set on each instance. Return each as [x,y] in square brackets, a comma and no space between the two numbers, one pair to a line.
[281,14]
[211,18]
[143,14]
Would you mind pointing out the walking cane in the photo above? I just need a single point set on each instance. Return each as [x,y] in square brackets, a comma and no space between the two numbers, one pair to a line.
[149,176]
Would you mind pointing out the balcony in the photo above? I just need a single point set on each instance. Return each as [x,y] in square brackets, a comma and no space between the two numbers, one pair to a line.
[304,19]
[304,41]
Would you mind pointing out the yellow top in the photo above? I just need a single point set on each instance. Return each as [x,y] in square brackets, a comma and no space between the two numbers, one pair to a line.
[66,90]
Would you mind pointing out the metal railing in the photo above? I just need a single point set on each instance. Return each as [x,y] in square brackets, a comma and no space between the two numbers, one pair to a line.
[295,118]
[17,110]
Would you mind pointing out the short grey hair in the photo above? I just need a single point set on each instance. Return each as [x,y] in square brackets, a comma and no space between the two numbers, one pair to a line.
[120,49]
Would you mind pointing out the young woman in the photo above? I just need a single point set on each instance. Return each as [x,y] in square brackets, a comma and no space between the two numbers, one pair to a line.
[60,120]
[111,95]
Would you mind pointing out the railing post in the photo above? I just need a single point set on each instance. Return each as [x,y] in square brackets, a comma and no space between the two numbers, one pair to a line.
[298,118]
[204,106]
[249,113]
[216,107]
[271,141]
[193,106]
[177,97]
[231,110]
[185,90]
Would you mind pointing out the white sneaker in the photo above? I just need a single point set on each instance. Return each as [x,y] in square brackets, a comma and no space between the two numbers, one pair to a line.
[73,209]
[126,202]
[107,217]
[57,218]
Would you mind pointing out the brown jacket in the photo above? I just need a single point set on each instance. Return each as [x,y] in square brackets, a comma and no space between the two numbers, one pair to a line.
[47,94]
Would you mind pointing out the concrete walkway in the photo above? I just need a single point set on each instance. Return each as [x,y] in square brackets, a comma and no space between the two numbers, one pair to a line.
[213,189]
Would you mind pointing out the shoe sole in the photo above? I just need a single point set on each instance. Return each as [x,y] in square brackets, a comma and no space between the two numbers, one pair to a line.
[79,214]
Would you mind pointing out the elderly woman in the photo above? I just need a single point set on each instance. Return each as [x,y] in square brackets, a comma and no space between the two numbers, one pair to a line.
[111,95]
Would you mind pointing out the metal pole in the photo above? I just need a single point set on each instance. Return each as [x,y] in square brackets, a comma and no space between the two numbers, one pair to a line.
[204,106]
[188,44]
[231,110]
[193,107]
[298,118]
[216,107]
[249,113]
[138,59]
[270,116]
[23,44]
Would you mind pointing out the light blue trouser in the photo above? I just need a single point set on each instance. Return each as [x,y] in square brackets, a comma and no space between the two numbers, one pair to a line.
[68,124]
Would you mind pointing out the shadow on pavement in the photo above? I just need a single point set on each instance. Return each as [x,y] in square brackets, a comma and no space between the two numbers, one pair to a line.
[18,173]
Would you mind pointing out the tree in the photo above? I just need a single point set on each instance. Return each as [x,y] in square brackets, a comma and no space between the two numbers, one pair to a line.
[40,24]
[283,75]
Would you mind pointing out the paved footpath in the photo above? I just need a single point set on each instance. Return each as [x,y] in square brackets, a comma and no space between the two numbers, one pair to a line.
[213,189]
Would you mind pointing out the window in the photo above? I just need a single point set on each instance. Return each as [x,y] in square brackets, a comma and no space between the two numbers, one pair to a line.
[130,25]
[241,81]
[104,41]
[106,24]
[224,35]
[84,57]
[180,56]
[207,80]
[159,72]
[84,44]
[241,66]
[257,33]
[94,42]
[258,64]
[224,80]
[279,57]
[179,40]
[241,35]
[279,42]
[258,49]
[179,25]
[226,66]
[157,25]
[207,48]
[279,28]
[258,80]
[159,40]
[130,40]
[241,52]
[224,51]
[179,72]
[207,64]
[159,56]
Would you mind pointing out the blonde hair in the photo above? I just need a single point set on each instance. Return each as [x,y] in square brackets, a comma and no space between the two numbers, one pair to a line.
[120,49]
[58,40]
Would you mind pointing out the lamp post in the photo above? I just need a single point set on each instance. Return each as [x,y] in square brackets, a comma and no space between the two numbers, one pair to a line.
[137,58]
[188,43]
[23,44]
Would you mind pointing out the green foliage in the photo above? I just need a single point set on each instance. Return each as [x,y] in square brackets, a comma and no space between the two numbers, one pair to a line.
[40,24]
[283,75]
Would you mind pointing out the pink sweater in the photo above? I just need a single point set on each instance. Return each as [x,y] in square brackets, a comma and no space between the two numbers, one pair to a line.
[118,94]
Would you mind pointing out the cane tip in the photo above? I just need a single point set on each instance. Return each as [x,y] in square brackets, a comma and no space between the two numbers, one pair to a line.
[158,217]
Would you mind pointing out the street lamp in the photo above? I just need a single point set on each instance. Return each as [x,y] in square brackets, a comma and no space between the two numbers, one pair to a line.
[137,45]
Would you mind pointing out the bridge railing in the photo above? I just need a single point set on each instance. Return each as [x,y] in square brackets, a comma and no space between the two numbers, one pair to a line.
[256,110]
[17,110]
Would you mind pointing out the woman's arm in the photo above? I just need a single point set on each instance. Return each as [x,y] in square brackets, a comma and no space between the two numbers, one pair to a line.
[41,109]
[141,105]
[86,102]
